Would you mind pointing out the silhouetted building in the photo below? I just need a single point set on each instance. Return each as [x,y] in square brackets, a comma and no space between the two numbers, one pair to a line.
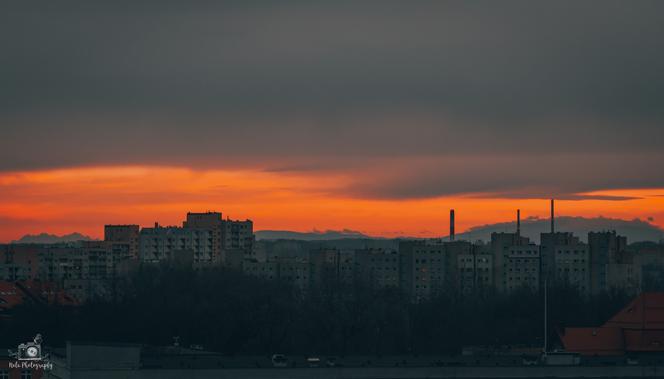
[423,269]
[572,265]
[332,267]
[123,235]
[161,244]
[611,265]
[649,261]
[236,234]
[378,268]
[212,224]
[565,260]
[19,262]
[295,271]
[89,269]
[474,268]
[522,267]
[501,246]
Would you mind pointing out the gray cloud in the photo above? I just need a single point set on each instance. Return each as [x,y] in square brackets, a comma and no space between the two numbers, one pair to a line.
[564,176]
[343,86]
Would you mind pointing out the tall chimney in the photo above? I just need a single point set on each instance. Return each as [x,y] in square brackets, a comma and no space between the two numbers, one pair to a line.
[518,222]
[451,224]
[552,217]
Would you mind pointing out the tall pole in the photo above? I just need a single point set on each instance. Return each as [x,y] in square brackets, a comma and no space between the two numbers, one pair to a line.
[546,334]
[552,217]
[451,224]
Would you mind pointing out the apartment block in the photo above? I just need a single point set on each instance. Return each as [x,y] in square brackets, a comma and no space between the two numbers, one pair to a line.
[423,269]
[332,267]
[124,237]
[19,262]
[378,268]
[611,265]
[475,269]
[572,265]
[237,234]
[292,270]
[166,243]
[522,268]
[501,247]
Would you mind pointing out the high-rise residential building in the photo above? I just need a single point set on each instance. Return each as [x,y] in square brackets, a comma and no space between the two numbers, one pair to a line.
[268,270]
[231,239]
[522,268]
[211,240]
[236,234]
[123,235]
[332,267]
[159,244]
[296,272]
[572,265]
[549,242]
[88,269]
[423,269]
[19,262]
[502,244]
[625,276]
[212,223]
[607,253]
[431,267]
[475,269]
[292,270]
[649,262]
[83,269]
[378,268]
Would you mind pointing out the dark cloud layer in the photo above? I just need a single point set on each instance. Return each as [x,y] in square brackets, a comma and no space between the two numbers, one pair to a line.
[504,97]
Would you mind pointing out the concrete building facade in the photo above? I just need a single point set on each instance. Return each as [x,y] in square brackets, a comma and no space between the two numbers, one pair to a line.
[522,268]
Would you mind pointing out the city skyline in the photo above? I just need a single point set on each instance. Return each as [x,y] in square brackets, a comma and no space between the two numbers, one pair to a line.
[329,116]
[334,189]
[643,227]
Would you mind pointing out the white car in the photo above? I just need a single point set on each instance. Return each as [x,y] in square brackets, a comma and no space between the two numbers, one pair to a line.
[279,360]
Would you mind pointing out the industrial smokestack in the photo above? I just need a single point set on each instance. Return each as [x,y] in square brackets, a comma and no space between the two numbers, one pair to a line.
[451,224]
[518,222]
[552,217]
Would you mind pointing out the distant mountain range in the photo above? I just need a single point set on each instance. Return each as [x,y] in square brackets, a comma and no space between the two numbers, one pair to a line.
[635,230]
[52,238]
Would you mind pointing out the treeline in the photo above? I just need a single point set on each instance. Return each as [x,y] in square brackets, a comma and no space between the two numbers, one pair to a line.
[227,311]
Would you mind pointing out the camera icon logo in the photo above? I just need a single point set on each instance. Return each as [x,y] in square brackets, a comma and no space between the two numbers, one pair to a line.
[30,351]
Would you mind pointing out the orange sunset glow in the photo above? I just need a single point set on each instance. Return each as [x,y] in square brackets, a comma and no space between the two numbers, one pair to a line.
[403,189]
[329,117]
[84,199]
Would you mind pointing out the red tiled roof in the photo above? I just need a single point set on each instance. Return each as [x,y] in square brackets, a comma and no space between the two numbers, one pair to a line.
[16,293]
[644,340]
[644,312]
[591,341]
[10,296]
[637,327]
[48,292]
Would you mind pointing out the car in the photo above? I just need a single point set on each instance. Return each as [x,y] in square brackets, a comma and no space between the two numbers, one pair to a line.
[279,360]
[632,361]
[313,362]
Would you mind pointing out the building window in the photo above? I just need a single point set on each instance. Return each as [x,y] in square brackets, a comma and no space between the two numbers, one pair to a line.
[4,374]
[26,374]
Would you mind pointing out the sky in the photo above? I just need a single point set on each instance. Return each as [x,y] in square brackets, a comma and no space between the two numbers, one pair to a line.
[372,116]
